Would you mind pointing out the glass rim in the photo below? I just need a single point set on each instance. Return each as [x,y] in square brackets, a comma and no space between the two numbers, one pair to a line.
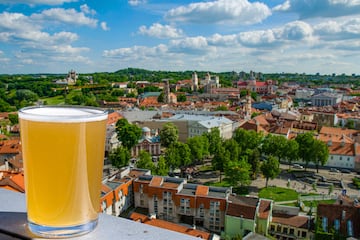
[75,113]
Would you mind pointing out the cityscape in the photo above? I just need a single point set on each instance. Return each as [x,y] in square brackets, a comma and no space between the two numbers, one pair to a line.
[209,156]
[226,119]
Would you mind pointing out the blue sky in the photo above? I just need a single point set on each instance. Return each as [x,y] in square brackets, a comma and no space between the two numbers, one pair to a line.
[295,36]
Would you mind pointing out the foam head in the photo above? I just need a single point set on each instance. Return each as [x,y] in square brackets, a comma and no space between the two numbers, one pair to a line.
[62,114]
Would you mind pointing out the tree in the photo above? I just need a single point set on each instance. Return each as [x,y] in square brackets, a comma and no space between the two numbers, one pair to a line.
[247,139]
[305,140]
[128,134]
[169,134]
[270,168]
[177,155]
[145,161]
[274,145]
[120,157]
[214,140]
[161,169]
[199,147]
[320,153]
[238,172]
[160,98]
[291,151]
[13,118]
[181,98]
[253,158]
[220,159]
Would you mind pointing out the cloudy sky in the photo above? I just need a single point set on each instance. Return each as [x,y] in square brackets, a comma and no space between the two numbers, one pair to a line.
[295,36]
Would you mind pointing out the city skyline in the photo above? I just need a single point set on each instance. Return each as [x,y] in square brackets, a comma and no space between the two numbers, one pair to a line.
[294,36]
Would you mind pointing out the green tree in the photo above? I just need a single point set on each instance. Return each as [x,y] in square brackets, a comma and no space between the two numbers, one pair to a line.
[270,168]
[181,98]
[238,172]
[291,151]
[199,147]
[128,134]
[253,158]
[145,161]
[160,98]
[275,145]
[214,140]
[162,168]
[184,153]
[220,160]
[305,141]
[320,153]
[169,134]
[247,139]
[120,157]
[14,119]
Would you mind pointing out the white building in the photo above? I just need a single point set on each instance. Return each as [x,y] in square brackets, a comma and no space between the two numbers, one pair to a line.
[326,99]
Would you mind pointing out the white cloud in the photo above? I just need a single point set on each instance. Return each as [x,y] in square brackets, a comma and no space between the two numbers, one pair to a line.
[223,40]
[136,2]
[70,16]
[36,2]
[297,30]
[161,31]
[190,45]
[240,12]
[323,8]
[104,26]
[338,30]
[136,52]
[85,9]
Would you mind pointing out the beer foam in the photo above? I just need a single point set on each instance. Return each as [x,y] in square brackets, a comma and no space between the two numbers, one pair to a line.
[62,114]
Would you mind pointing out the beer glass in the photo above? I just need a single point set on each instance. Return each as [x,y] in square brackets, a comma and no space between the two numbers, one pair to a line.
[63,153]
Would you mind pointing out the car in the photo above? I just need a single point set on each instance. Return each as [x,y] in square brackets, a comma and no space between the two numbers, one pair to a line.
[334,170]
[298,166]
[344,170]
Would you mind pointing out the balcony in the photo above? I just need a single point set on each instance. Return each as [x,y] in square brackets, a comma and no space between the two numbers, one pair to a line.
[13,224]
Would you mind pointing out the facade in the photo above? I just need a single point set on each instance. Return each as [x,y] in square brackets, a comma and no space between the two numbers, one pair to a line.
[338,219]
[286,223]
[149,142]
[326,99]
[174,200]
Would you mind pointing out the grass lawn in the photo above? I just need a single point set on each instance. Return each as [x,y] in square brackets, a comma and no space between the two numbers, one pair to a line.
[278,194]
[54,100]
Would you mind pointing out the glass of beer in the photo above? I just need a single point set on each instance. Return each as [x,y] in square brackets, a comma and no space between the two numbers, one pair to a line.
[63,152]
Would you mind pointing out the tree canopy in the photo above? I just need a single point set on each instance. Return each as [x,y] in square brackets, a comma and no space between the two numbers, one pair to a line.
[169,134]
[128,134]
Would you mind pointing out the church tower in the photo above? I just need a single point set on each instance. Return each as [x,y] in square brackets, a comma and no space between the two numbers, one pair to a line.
[247,106]
[195,81]
[166,92]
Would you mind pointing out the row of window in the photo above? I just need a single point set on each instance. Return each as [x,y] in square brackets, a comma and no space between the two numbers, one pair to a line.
[287,231]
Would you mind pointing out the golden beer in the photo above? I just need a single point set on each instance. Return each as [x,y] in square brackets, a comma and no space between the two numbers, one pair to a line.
[63,151]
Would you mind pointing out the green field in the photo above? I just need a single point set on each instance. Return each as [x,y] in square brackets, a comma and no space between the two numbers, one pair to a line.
[278,194]
[57,100]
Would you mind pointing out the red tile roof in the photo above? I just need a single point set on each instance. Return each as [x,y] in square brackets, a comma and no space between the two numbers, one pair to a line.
[10,146]
[202,190]
[113,117]
[156,181]
[170,226]
[264,209]
[12,181]
[291,220]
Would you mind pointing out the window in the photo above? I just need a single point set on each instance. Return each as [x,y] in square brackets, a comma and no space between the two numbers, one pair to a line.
[337,224]
[278,229]
[285,230]
[272,228]
[291,231]
[324,224]
[350,228]
[340,158]
[303,234]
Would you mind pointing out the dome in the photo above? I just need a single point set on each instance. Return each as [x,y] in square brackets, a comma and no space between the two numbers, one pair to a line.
[145,129]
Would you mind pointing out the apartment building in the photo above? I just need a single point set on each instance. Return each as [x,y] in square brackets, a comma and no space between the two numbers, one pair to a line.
[175,200]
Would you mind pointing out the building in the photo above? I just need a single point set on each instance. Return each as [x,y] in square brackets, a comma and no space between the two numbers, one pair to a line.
[245,215]
[175,200]
[339,219]
[149,142]
[286,223]
[326,99]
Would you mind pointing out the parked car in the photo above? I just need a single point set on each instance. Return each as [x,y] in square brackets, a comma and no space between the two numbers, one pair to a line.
[334,170]
[344,170]
[297,166]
